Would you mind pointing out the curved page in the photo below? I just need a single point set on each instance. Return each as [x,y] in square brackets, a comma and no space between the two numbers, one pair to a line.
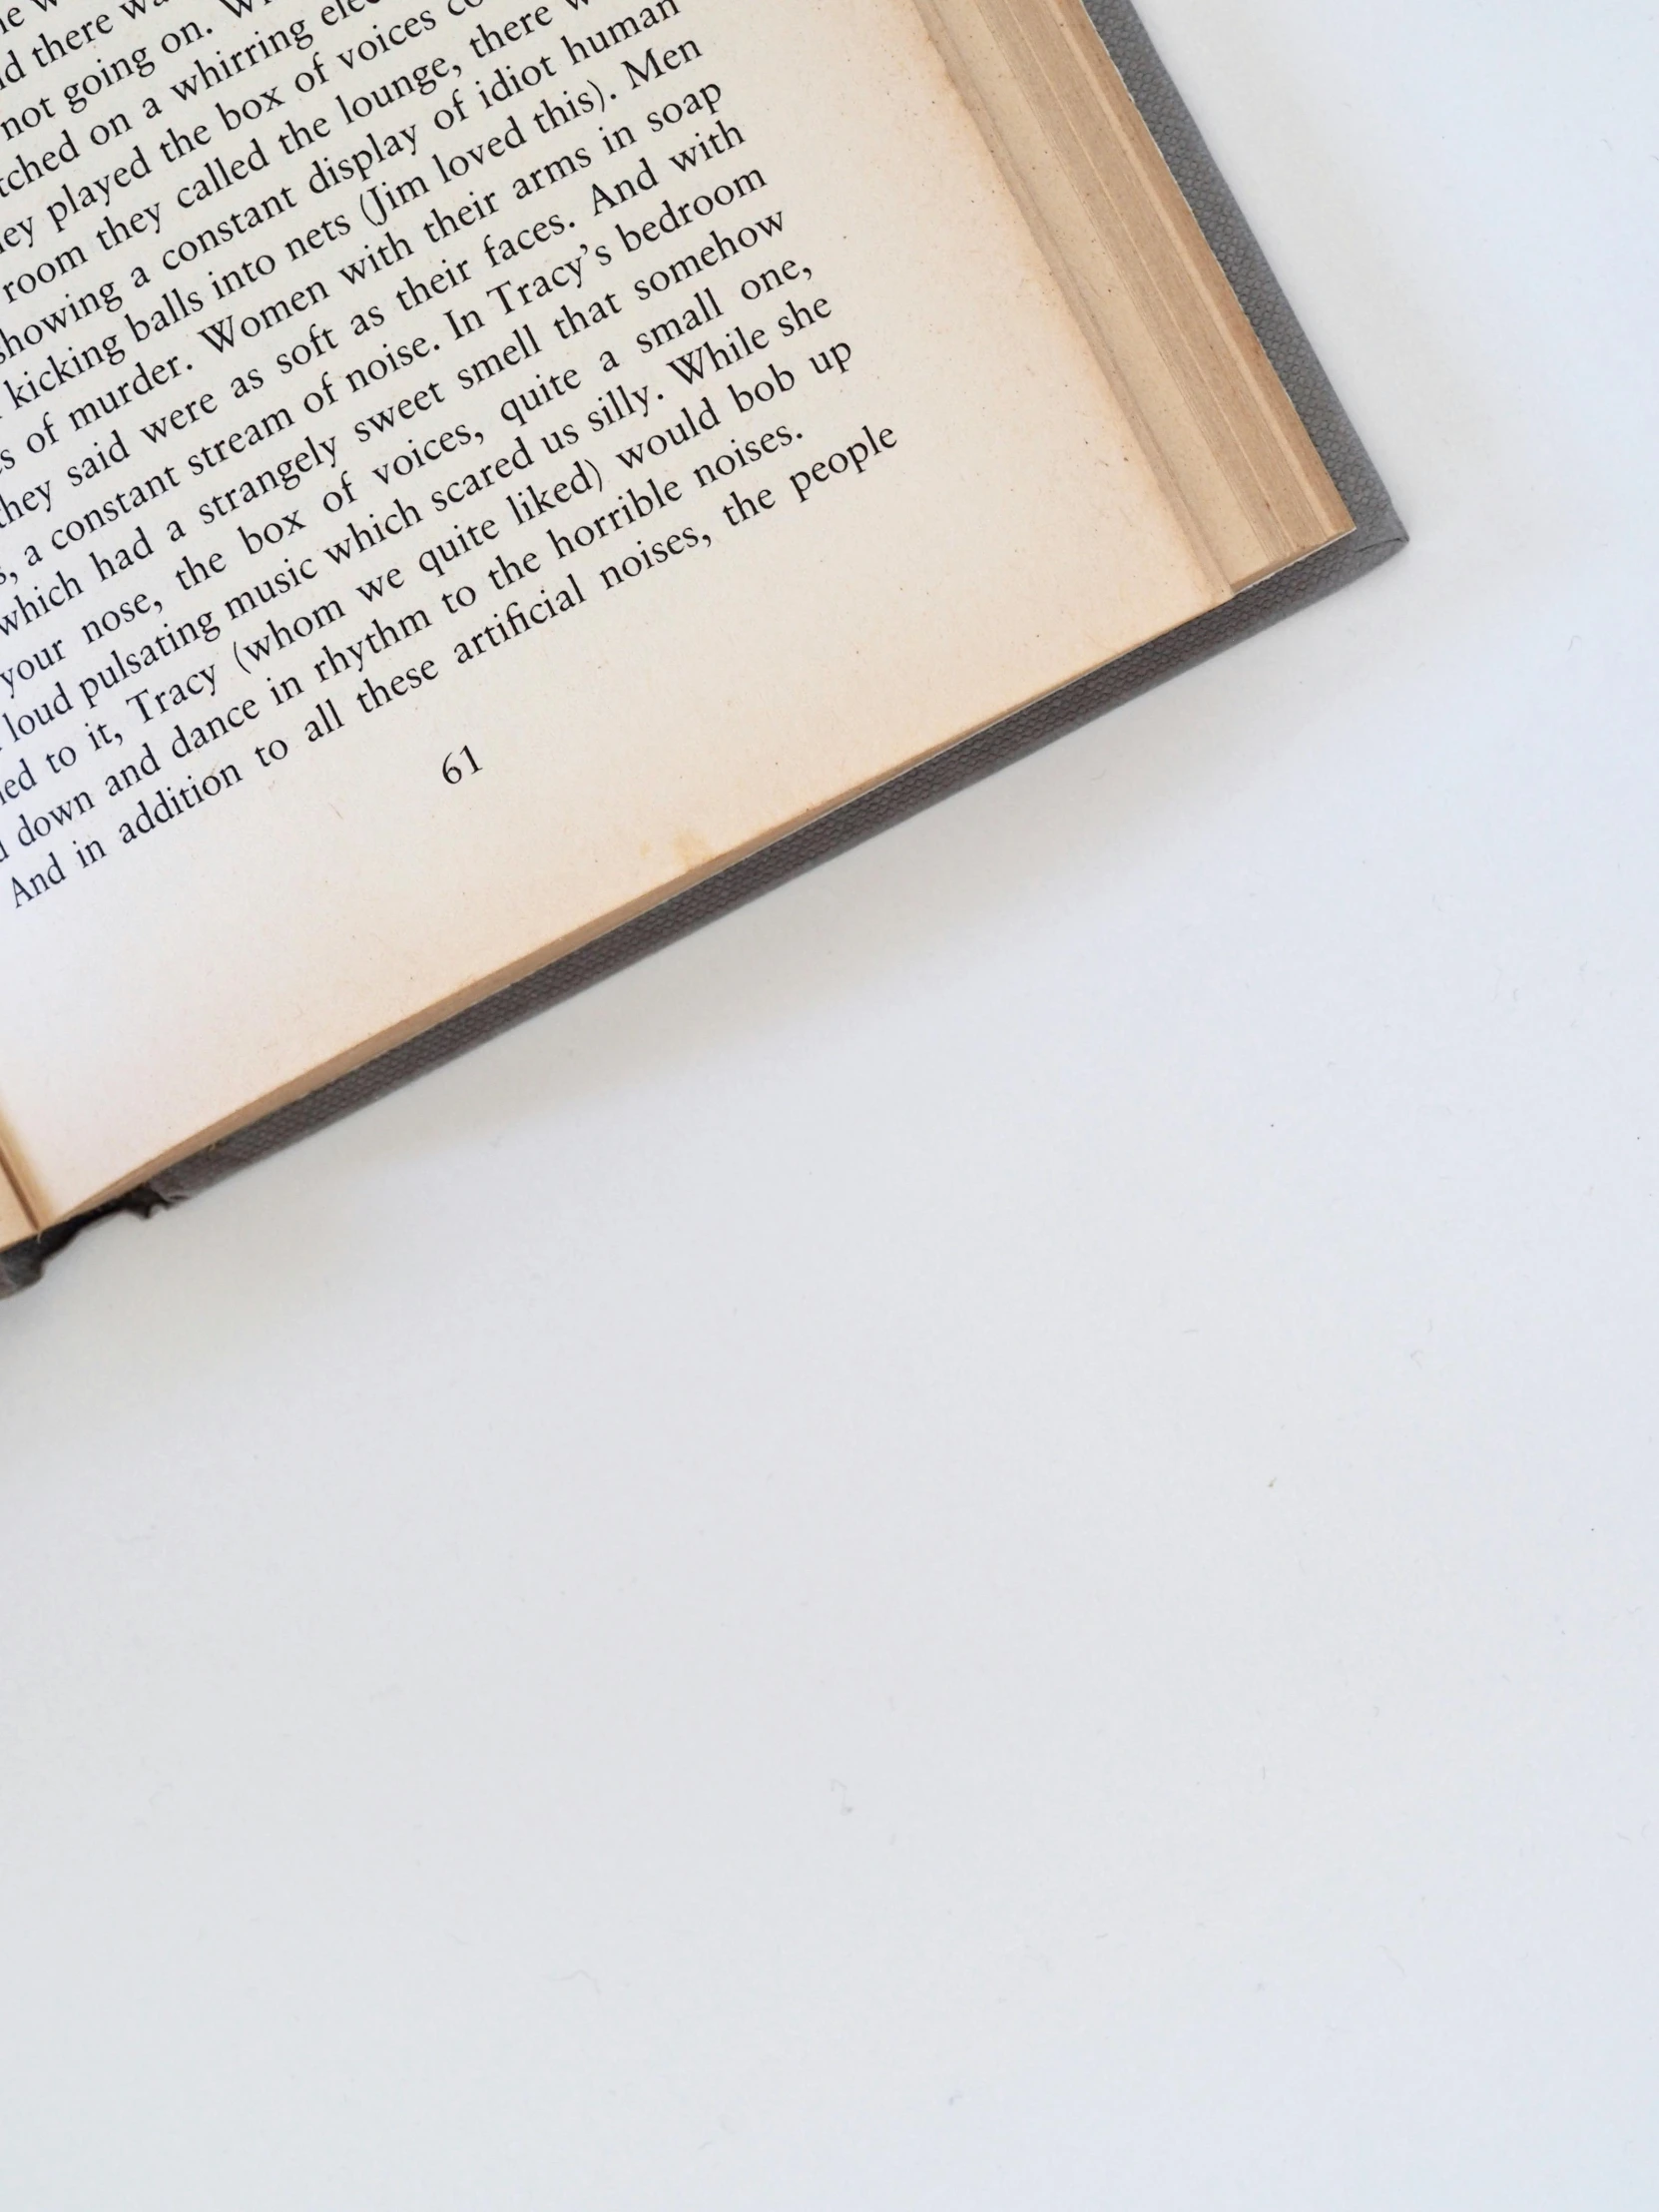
[468,470]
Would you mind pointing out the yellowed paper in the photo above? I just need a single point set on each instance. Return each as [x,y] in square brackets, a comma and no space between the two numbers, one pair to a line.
[1206,402]
[623,511]
[15,1224]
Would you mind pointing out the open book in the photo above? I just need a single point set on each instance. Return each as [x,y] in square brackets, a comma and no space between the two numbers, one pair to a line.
[475,475]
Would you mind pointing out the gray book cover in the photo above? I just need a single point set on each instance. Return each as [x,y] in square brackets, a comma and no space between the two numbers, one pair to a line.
[1377,535]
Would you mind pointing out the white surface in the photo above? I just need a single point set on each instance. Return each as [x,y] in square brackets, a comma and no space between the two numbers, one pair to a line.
[988,1539]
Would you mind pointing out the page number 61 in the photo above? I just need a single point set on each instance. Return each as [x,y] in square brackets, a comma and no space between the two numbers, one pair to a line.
[457,766]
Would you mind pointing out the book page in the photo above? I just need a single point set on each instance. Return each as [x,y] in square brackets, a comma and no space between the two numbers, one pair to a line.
[1206,403]
[15,1222]
[468,470]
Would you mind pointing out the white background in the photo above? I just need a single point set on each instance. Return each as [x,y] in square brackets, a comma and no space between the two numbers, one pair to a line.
[987,1539]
